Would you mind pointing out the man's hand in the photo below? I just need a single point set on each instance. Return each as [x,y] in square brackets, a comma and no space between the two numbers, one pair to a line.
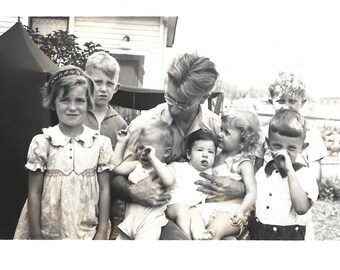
[148,192]
[220,188]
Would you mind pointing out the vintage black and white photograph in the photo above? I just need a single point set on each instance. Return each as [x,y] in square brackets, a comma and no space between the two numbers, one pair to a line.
[160,120]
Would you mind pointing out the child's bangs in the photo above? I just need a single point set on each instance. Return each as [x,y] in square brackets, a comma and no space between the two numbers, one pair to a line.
[293,129]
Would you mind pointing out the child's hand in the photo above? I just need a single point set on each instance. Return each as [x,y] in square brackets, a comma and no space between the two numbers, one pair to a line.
[238,219]
[122,135]
[282,160]
[149,152]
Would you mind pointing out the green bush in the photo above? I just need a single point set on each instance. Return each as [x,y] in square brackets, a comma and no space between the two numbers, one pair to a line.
[62,47]
[330,189]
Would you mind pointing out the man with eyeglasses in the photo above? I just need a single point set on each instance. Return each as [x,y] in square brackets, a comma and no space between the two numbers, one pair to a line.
[190,81]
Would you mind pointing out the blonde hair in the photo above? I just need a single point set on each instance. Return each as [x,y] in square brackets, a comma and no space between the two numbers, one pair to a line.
[65,79]
[161,128]
[247,122]
[103,61]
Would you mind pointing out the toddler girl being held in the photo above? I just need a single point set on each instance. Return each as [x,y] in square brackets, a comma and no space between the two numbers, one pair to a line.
[240,133]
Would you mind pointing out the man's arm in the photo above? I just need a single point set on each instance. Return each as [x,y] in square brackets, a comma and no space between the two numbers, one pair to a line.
[221,188]
[146,192]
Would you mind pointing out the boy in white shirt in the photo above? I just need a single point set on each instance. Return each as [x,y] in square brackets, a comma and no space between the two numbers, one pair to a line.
[286,189]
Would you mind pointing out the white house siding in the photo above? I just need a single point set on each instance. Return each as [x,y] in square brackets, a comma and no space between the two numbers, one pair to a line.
[6,22]
[146,38]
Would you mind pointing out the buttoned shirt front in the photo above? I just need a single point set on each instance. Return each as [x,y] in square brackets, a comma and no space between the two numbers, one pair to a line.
[273,203]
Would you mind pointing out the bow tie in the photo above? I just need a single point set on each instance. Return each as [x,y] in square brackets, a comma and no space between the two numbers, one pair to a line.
[270,167]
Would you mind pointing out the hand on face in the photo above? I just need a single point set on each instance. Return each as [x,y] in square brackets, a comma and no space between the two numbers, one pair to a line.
[146,153]
[282,159]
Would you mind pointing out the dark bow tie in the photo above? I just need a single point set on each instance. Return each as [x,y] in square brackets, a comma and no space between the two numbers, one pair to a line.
[270,167]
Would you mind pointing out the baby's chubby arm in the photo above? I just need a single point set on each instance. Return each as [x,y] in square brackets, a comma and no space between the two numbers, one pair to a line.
[166,175]
[247,170]
[122,138]
[146,192]
[122,167]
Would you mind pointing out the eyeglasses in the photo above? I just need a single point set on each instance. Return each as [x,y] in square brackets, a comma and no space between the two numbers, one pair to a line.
[182,106]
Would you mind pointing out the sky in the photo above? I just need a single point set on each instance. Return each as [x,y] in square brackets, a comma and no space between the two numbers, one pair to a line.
[251,43]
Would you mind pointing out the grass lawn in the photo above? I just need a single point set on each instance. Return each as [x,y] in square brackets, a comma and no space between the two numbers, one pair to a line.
[326,220]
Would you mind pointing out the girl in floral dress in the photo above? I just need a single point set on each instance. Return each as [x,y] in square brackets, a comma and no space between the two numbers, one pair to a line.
[69,164]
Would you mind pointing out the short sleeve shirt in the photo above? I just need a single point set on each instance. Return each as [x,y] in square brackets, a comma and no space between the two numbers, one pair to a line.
[54,151]
[273,203]
[109,127]
[206,120]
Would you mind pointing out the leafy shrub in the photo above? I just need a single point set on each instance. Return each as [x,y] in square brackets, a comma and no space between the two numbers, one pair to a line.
[330,189]
[62,48]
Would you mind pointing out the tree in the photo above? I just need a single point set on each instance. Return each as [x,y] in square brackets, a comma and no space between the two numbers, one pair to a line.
[62,47]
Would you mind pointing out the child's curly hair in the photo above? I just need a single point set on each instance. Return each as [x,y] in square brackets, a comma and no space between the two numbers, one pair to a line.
[249,125]
[287,83]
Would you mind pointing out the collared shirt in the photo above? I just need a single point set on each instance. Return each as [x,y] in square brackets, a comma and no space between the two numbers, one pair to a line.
[206,120]
[273,203]
[109,127]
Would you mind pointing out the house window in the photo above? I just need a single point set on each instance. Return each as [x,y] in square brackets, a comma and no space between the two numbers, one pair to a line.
[47,25]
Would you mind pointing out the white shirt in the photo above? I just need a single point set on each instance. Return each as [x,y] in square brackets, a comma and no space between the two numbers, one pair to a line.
[274,205]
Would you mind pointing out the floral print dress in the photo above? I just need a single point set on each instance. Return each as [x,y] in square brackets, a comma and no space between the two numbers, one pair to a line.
[70,195]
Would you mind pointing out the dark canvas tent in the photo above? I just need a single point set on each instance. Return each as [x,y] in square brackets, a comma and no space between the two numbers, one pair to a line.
[23,70]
